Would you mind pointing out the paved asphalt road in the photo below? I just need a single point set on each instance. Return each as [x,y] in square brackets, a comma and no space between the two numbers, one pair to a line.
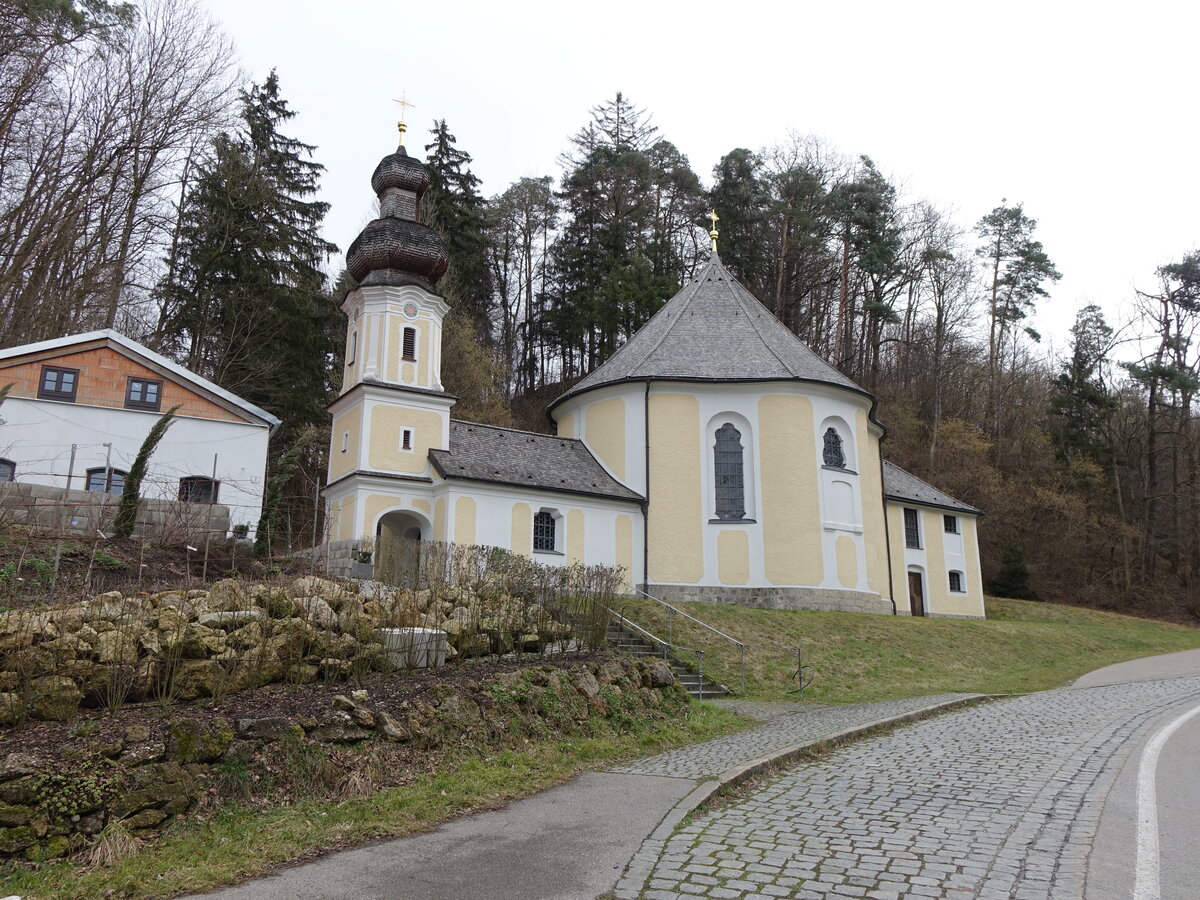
[1061,794]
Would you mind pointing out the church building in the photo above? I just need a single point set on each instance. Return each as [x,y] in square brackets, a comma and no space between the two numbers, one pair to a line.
[714,457]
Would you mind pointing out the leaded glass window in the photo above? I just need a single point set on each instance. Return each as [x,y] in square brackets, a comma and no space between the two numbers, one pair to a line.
[834,455]
[912,534]
[956,583]
[543,532]
[728,471]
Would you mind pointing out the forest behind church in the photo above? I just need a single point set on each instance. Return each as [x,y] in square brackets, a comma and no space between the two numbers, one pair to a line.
[147,185]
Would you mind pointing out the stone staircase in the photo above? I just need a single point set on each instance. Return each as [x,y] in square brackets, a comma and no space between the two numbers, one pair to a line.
[631,642]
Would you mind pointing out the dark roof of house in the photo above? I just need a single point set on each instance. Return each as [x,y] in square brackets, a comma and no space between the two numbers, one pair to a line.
[713,330]
[508,456]
[901,485]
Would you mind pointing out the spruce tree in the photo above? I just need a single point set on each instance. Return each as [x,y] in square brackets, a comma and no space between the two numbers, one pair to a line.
[454,207]
[249,306]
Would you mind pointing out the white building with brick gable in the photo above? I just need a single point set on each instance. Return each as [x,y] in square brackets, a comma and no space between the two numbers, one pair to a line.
[100,393]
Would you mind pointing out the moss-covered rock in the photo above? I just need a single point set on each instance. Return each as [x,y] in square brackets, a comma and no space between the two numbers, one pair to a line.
[53,697]
[193,740]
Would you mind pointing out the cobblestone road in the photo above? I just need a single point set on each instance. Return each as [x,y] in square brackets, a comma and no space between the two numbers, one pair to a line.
[994,801]
[785,727]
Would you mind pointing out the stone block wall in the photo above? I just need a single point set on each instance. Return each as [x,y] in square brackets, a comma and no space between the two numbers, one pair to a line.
[774,598]
[46,509]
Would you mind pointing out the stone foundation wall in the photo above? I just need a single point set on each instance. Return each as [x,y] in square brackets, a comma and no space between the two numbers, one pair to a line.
[84,512]
[774,597]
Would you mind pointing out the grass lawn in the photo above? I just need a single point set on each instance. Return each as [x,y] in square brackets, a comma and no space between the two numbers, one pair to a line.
[1022,646]
[236,843]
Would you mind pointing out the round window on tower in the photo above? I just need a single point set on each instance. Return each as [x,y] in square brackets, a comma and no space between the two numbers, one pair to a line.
[410,310]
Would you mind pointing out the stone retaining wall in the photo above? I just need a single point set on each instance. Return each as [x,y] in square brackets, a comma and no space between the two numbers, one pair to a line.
[144,777]
[84,512]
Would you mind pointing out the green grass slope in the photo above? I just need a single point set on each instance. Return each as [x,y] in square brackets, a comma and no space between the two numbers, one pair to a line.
[856,658]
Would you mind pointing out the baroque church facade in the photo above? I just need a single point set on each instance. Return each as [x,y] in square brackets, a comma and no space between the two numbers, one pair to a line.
[713,457]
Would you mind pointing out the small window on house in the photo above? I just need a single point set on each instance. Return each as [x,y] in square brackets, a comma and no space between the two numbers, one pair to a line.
[143,393]
[8,470]
[345,441]
[544,527]
[833,454]
[58,384]
[410,344]
[912,532]
[951,523]
[728,473]
[353,349]
[956,582]
[198,489]
[405,438]
[105,481]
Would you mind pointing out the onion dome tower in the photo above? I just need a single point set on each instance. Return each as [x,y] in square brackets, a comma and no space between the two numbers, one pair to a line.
[395,314]
[396,249]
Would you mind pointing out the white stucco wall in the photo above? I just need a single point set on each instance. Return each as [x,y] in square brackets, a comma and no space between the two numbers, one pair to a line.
[38,434]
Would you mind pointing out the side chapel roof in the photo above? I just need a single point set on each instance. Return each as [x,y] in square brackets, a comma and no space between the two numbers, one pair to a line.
[904,486]
[523,458]
[713,329]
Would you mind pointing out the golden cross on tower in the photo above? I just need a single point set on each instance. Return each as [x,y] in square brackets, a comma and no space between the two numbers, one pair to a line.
[403,102]
[714,233]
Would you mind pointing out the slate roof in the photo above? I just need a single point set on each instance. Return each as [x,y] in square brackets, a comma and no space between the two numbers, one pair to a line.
[713,330]
[511,457]
[904,486]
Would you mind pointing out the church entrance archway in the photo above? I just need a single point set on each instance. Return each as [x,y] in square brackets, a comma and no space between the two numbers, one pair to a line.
[398,537]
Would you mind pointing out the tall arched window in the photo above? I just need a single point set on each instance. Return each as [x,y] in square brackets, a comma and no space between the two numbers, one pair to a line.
[834,455]
[728,473]
[544,532]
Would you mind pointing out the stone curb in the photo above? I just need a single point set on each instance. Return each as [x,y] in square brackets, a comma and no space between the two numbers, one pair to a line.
[633,879]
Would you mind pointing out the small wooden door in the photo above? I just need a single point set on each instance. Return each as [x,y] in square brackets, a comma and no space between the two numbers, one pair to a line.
[916,595]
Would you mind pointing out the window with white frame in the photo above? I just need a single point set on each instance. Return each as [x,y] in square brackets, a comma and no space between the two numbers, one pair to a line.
[409,344]
[345,441]
[105,481]
[951,524]
[956,583]
[353,348]
[406,438]
[912,529]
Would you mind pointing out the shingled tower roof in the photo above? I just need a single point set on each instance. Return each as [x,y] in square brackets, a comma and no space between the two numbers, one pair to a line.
[713,330]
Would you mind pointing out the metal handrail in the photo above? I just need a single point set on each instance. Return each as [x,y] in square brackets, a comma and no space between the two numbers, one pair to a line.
[672,610]
[667,646]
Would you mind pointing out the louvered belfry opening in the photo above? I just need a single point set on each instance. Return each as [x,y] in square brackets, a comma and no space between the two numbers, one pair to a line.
[728,472]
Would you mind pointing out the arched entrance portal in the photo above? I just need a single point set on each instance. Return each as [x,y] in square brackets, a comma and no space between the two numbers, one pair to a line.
[398,537]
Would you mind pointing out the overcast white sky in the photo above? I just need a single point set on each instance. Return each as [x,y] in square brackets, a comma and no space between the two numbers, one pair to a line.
[1086,113]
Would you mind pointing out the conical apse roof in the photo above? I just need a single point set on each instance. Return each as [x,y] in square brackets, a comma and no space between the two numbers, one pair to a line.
[713,330]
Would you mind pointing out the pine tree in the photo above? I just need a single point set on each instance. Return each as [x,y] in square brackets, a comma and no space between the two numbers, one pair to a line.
[249,304]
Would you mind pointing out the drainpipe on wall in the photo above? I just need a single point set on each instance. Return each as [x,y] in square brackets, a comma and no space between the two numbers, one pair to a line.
[887,540]
[646,502]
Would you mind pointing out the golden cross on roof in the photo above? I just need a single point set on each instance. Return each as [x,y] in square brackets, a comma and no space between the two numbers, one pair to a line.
[712,214]
[403,102]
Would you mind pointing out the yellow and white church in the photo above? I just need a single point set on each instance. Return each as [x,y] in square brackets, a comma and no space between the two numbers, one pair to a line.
[714,457]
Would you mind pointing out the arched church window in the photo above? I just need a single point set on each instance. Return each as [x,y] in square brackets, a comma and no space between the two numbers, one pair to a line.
[728,472]
[834,455]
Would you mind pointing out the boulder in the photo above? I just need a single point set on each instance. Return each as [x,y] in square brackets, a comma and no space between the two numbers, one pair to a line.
[659,673]
[585,682]
[147,818]
[246,637]
[390,728]
[161,785]
[53,697]
[119,646]
[196,741]
[230,619]
[199,678]
[16,765]
[227,595]
[11,709]
[270,729]
[338,733]
[317,611]
[14,840]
